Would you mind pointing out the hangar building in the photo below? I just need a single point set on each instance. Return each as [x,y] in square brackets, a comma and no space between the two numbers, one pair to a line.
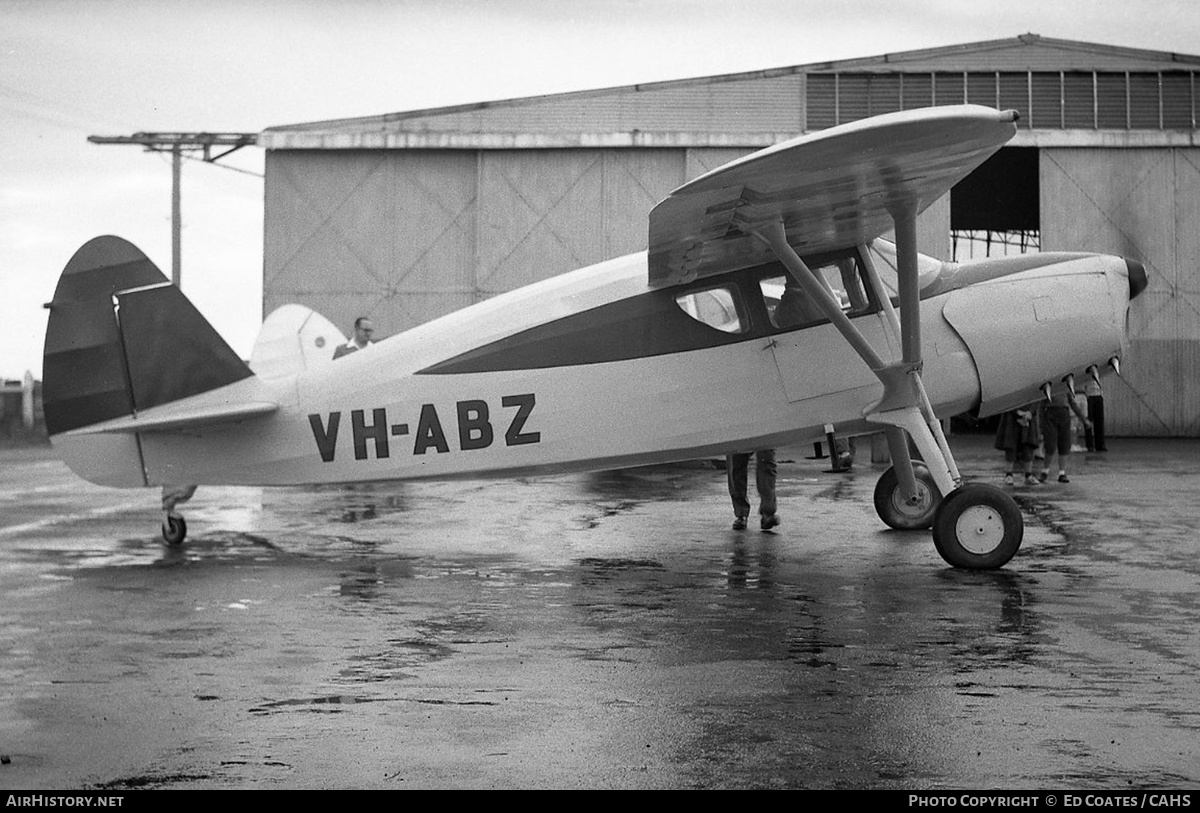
[408,216]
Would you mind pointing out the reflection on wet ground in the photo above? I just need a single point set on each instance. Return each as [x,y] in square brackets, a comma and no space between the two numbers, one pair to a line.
[602,630]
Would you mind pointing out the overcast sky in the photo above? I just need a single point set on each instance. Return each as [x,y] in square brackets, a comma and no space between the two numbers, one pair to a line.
[74,68]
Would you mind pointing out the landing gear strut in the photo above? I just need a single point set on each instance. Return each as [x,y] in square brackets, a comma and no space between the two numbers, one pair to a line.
[174,527]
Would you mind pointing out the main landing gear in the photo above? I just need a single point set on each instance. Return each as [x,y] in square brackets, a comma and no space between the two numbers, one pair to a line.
[174,526]
[976,526]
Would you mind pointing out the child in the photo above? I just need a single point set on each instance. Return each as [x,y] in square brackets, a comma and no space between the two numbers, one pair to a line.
[1018,435]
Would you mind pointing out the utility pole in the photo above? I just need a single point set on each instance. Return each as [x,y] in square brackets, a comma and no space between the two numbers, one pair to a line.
[177,144]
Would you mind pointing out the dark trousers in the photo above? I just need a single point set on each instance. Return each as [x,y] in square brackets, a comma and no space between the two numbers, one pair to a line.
[1056,432]
[1094,437]
[736,471]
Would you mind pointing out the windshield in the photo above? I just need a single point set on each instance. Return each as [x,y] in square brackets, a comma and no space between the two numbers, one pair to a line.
[883,257]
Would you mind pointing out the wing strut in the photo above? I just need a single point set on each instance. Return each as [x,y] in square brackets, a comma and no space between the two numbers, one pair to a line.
[905,406]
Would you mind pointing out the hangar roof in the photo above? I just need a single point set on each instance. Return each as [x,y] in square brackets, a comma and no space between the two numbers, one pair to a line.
[1058,84]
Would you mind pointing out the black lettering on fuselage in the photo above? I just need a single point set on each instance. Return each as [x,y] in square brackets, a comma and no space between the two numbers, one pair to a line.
[326,437]
[377,431]
[429,432]
[524,404]
[474,430]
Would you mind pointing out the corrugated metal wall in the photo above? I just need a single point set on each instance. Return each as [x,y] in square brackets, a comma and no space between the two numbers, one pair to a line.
[1143,204]
[772,104]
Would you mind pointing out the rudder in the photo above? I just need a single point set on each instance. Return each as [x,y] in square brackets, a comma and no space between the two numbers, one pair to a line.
[121,338]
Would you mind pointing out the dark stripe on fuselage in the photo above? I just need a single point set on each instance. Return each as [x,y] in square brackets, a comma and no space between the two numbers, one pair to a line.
[648,324]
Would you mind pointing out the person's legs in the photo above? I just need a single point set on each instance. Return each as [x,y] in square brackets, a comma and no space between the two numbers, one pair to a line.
[736,467]
[764,480]
[1062,438]
[1024,457]
[1096,416]
[1049,446]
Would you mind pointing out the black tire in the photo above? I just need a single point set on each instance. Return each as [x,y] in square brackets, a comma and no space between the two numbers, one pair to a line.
[896,511]
[174,530]
[978,527]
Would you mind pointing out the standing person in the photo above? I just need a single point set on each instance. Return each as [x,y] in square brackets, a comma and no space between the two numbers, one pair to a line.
[1056,431]
[1094,436]
[737,466]
[1019,435]
[363,330]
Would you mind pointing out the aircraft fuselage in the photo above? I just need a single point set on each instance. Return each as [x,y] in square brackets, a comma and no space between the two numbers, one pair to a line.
[594,369]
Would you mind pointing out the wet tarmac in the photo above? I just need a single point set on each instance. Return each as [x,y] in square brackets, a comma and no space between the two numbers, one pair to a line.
[599,631]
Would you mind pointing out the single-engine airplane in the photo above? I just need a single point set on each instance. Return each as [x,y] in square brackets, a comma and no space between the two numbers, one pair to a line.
[764,309]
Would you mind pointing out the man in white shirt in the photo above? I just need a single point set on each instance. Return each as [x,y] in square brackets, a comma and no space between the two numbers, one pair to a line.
[363,330]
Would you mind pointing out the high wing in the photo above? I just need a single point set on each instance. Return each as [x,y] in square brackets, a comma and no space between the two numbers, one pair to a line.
[832,189]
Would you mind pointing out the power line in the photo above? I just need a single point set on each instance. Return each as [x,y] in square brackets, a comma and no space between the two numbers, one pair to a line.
[177,144]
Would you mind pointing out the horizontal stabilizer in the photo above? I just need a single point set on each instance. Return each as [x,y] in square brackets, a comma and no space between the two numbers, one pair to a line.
[181,416]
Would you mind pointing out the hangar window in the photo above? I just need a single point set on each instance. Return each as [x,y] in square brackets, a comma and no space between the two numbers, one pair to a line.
[995,210]
[1071,99]
[715,307]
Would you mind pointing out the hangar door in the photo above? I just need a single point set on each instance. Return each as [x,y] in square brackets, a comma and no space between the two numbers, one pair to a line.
[1144,204]
[385,234]
[545,212]
[405,236]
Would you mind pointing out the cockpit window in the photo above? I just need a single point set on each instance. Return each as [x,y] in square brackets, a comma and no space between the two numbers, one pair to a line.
[883,257]
[789,307]
[715,307]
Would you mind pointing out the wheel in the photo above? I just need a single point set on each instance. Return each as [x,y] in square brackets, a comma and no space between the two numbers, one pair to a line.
[174,530]
[898,512]
[978,527]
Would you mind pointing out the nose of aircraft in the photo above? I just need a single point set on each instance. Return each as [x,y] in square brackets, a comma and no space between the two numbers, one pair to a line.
[1137,277]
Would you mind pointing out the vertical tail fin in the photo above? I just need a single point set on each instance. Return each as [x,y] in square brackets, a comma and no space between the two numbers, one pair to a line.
[121,339]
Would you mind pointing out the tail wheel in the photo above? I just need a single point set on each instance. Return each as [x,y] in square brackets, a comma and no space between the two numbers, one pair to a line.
[893,506]
[978,527]
[174,530]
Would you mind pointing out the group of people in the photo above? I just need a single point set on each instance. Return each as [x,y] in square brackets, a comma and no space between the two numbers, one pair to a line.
[1042,431]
